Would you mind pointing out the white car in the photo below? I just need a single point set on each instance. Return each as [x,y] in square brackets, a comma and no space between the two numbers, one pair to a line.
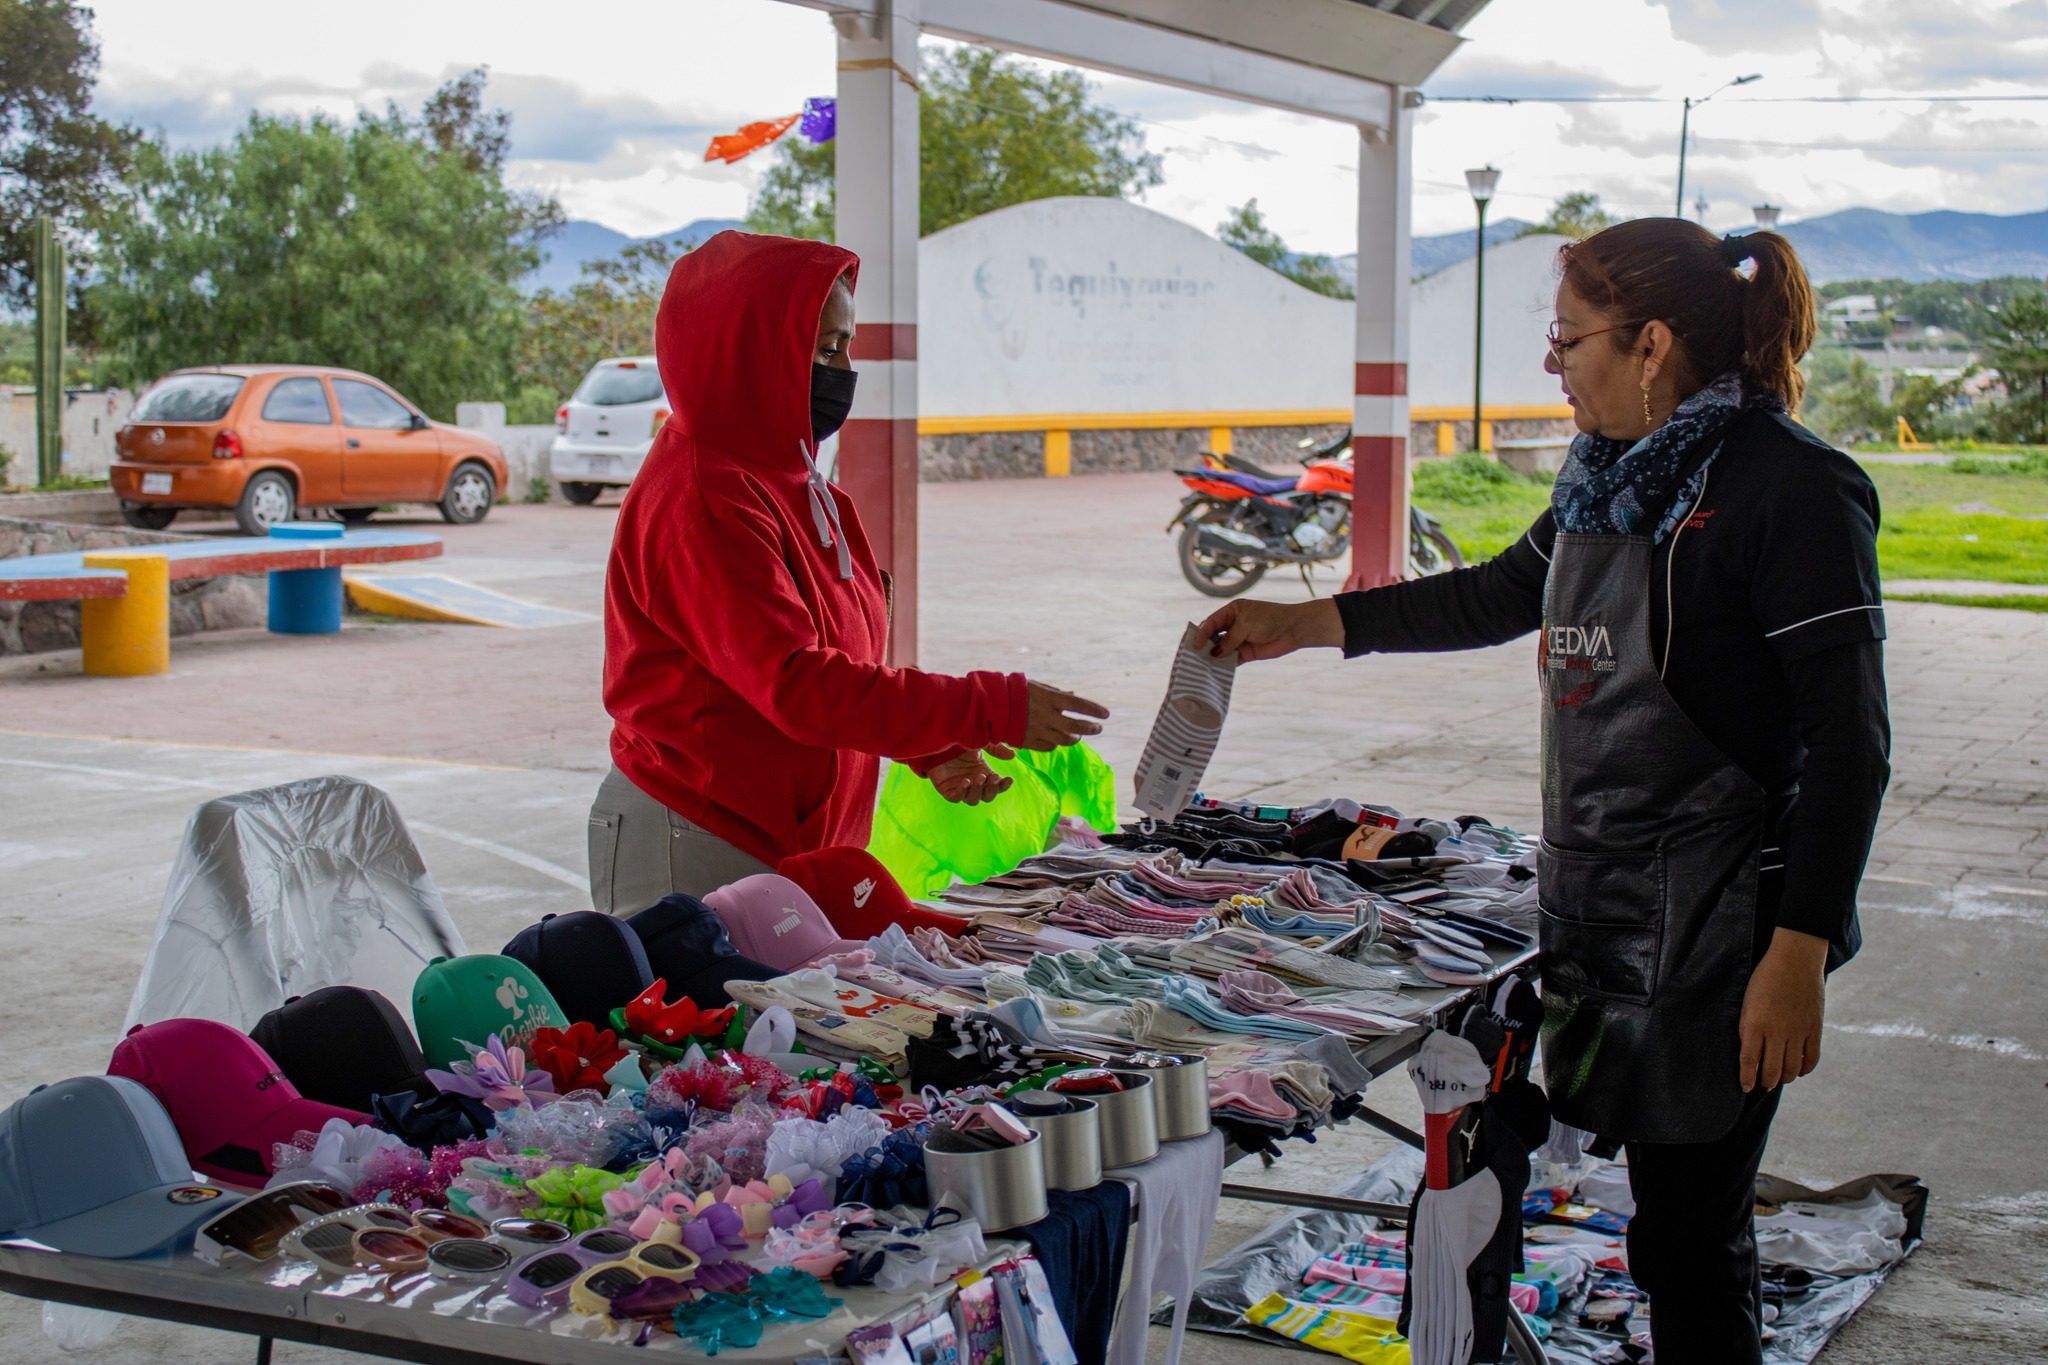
[605,429]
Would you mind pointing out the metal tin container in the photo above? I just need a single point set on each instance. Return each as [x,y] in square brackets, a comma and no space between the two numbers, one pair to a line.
[1181,1093]
[1003,1187]
[1073,1144]
[1130,1122]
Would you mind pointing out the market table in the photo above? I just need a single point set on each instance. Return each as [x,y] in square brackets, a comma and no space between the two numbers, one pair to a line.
[1379,1057]
[287,1300]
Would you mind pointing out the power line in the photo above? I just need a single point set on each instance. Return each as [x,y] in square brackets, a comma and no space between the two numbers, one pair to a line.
[2032,148]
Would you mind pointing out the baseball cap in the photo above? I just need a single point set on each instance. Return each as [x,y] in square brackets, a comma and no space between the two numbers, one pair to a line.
[687,946]
[461,1000]
[343,1045]
[230,1102]
[772,920]
[859,896]
[94,1165]
[590,963]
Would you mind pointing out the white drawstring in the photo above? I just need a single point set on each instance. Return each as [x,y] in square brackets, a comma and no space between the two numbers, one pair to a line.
[825,513]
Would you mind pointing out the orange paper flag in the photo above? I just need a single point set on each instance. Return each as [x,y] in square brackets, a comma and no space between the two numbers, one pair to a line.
[751,138]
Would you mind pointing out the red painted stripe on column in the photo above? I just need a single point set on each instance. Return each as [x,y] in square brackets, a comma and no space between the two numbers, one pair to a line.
[1379,515]
[885,341]
[1380,380]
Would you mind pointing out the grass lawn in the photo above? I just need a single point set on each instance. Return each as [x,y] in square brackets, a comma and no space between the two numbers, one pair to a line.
[1980,520]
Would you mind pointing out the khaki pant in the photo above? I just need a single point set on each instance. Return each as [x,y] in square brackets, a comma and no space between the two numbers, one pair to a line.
[640,851]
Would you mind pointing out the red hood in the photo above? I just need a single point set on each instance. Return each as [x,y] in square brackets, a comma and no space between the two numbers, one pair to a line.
[735,337]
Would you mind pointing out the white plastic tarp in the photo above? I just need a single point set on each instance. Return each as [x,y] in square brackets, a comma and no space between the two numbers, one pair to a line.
[282,891]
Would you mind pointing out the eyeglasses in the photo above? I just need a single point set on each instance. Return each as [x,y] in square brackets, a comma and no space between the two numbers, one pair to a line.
[1560,344]
[596,1288]
[255,1227]
[378,1237]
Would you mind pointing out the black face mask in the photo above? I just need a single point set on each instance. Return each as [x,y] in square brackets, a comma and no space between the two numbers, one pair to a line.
[831,399]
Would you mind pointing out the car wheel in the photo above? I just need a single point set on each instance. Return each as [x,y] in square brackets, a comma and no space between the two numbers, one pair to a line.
[144,517]
[470,495]
[582,494]
[355,516]
[267,499]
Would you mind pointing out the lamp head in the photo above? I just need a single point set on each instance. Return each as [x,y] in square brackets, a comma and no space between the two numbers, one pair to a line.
[1767,216]
[1481,182]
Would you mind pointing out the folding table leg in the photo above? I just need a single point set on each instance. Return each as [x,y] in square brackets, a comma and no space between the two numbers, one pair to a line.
[263,1345]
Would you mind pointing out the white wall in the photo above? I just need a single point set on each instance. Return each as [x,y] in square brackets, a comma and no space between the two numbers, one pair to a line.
[91,417]
[1097,305]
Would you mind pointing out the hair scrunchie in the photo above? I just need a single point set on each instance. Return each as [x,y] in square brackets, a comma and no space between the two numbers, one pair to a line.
[1735,249]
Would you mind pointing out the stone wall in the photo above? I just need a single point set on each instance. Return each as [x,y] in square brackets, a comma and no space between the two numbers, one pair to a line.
[981,455]
[196,604]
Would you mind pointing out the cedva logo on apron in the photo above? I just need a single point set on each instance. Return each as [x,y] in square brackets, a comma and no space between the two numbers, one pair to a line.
[1577,649]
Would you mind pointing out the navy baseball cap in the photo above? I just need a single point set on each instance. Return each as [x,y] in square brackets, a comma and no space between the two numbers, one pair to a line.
[94,1165]
[344,1045]
[687,946]
[591,963]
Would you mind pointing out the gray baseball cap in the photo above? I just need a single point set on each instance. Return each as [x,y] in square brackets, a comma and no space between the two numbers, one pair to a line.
[93,1165]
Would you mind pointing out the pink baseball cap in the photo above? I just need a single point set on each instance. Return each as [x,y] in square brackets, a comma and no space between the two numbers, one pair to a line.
[230,1102]
[771,919]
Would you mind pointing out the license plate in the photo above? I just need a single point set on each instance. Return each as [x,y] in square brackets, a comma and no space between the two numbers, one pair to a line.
[603,464]
[156,483]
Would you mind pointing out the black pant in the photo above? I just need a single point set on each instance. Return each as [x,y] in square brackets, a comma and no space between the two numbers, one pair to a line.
[1692,1242]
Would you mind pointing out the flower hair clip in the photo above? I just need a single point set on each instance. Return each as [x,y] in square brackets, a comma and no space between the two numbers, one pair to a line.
[498,1075]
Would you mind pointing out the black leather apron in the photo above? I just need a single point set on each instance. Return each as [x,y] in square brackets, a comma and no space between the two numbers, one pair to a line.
[1647,873]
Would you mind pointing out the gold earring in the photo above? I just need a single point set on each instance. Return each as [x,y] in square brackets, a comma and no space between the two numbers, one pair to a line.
[1648,420]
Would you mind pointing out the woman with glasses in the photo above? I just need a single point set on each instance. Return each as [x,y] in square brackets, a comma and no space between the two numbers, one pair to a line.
[1715,739]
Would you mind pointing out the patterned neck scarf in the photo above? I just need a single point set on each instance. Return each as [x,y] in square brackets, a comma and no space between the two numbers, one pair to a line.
[1610,487]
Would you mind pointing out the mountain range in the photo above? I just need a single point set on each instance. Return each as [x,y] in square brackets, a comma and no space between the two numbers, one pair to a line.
[1854,244]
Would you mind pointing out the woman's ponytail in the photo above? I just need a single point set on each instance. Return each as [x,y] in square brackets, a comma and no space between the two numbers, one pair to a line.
[1777,317]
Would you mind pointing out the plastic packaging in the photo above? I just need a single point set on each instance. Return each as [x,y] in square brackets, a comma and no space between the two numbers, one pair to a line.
[78,1329]
[281,891]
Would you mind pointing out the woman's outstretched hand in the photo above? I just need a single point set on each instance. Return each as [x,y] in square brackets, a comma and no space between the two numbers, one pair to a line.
[1057,719]
[1251,631]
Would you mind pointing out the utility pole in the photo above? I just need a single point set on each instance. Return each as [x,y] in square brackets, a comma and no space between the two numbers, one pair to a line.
[49,284]
[1685,134]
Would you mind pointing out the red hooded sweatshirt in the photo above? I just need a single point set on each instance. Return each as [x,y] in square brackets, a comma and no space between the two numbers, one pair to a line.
[745,676]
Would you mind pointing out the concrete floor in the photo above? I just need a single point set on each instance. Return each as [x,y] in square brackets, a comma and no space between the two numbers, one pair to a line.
[492,743]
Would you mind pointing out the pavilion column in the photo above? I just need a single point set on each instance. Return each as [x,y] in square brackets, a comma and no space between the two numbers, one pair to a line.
[876,166]
[1379,404]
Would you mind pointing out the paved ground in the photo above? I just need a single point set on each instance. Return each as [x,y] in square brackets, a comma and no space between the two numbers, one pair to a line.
[493,741]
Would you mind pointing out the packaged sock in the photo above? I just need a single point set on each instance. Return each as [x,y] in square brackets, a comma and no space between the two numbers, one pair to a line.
[1189,726]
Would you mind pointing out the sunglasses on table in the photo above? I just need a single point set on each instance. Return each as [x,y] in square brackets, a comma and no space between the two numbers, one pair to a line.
[256,1227]
[379,1237]
[545,1279]
[595,1289]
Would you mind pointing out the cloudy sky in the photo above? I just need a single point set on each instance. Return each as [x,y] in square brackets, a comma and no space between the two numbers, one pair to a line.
[612,104]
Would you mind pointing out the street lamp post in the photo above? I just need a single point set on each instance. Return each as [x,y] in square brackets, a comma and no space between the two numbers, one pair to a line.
[1481,182]
[1766,217]
[1685,132]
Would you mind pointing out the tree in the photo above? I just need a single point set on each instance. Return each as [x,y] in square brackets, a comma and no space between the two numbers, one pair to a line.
[992,131]
[2016,345]
[1577,215]
[56,158]
[1246,230]
[393,246]
[1843,402]
[610,311]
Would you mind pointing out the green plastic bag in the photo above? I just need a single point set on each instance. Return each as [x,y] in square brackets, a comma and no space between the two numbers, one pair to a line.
[927,842]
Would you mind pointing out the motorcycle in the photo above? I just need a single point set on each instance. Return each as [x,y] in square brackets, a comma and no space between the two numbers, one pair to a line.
[1239,520]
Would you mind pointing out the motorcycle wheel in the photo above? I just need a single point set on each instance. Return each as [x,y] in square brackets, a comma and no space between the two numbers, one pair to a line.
[1211,574]
[1435,552]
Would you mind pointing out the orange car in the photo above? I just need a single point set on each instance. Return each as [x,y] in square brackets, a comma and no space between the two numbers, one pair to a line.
[270,440]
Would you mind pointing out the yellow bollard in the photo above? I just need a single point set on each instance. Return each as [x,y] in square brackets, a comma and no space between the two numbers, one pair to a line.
[1059,454]
[129,636]
[1220,440]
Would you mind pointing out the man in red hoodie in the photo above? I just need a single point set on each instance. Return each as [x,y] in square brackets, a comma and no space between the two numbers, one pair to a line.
[746,621]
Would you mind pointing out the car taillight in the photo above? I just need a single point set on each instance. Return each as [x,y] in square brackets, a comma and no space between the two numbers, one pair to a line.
[562,418]
[660,416]
[227,446]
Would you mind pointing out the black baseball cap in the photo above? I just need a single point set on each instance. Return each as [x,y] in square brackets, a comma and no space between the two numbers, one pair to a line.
[343,1045]
[591,963]
[688,947]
